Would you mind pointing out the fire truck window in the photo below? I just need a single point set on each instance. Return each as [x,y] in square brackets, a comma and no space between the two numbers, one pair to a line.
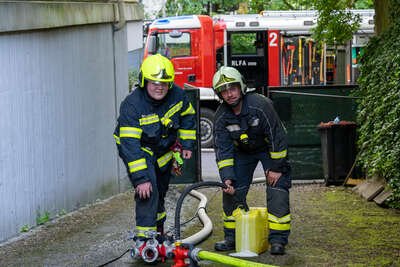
[174,46]
[243,43]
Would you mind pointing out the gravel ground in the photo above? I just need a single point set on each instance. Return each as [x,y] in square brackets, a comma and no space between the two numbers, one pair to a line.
[331,227]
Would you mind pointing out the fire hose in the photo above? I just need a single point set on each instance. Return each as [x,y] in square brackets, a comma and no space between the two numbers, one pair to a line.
[181,251]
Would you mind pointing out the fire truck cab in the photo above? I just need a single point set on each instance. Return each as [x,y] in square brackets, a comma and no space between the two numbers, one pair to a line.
[273,48]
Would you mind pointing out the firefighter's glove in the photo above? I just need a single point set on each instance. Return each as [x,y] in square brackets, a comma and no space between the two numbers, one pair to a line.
[177,163]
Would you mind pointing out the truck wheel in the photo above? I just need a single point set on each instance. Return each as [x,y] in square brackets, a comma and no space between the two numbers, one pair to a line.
[206,127]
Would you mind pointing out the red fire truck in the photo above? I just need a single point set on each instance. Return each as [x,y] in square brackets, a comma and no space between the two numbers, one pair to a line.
[273,48]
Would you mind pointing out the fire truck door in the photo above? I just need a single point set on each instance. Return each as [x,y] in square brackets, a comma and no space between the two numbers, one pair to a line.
[247,52]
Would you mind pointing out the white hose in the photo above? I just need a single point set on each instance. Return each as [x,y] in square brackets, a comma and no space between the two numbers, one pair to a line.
[207,224]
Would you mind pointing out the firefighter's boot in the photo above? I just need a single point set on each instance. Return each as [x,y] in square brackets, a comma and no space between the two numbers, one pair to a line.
[277,249]
[225,245]
[228,243]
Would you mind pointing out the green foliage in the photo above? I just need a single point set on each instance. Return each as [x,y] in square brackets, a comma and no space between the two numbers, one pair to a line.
[335,24]
[25,228]
[185,7]
[379,107]
[243,43]
[62,212]
[190,7]
[42,218]
[364,4]
[133,78]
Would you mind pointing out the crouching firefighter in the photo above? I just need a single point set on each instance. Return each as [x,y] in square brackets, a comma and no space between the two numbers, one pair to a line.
[247,131]
[152,118]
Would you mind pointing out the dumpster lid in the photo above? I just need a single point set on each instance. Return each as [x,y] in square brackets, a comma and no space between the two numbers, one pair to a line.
[330,124]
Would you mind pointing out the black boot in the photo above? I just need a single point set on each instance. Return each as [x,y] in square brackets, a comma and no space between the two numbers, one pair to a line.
[277,249]
[225,245]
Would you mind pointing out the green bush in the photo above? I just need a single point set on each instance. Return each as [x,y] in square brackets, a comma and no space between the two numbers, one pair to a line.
[379,107]
[133,78]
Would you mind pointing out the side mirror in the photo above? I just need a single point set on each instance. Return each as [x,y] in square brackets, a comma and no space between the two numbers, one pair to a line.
[152,44]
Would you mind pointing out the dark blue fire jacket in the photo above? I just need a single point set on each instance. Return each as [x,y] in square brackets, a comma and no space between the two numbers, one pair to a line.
[152,127]
[256,129]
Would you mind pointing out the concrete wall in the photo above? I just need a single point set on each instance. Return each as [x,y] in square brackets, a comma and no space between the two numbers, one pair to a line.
[64,72]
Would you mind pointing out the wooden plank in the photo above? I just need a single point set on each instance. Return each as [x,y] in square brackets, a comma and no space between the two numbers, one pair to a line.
[382,196]
[372,189]
[354,182]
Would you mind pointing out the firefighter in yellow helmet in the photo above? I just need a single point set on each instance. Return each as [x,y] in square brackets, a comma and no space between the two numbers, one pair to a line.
[248,131]
[152,119]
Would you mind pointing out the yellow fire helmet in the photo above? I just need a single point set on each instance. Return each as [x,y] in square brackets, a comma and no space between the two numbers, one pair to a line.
[225,77]
[156,68]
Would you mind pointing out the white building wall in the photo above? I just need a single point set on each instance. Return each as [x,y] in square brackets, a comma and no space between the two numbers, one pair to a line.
[59,94]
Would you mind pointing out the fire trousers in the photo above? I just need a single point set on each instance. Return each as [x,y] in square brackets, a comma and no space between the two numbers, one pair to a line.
[277,198]
[150,212]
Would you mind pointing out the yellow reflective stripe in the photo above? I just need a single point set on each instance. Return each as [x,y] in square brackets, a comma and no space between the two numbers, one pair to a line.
[228,218]
[187,134]
[229,225]
[163,160]
[117,139]
[166,121]
[189,111]
[225,163]
[284,219]
[142,231]
[243,136]
[278,155]
[149,119]
[229,221]
[161,216]
[173,110]
[279,226]
[130,132]
[137,165]
[146,228]
[147,150]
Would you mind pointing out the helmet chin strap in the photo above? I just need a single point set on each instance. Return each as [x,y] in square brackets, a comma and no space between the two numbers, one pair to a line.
[235,104]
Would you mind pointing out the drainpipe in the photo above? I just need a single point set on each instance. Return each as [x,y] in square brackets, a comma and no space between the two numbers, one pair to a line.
[119,9]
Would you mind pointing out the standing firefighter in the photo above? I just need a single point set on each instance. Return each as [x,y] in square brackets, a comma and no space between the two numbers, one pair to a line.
[152,118]
[248,130]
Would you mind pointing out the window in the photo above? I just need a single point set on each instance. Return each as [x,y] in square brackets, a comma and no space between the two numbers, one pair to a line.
[176,46]
[243,43]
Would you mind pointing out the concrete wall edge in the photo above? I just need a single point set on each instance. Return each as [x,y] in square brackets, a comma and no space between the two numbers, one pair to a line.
[31,15]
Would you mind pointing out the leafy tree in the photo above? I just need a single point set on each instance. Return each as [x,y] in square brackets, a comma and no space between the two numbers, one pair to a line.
[364,4]
[211,7]
[335,24]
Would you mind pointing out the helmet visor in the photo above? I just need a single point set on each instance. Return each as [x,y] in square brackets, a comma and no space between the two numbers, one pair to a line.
[227,86]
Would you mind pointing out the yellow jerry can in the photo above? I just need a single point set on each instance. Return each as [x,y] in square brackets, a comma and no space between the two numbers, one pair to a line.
[251,234]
